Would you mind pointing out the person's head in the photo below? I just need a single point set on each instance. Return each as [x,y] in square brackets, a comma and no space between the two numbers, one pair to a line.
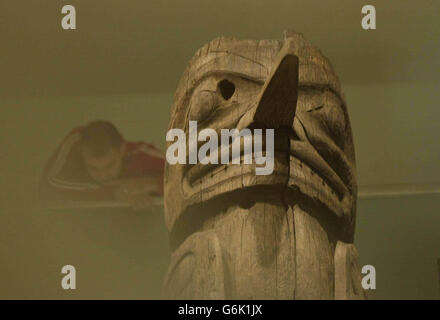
[102,149]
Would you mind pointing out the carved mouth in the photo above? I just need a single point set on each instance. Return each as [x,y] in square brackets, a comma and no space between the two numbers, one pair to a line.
[299,167]
[318,187]
[215,179]
[306,163]
[324,179]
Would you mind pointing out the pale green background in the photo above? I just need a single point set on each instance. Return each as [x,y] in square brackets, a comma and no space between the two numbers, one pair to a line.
[123,63]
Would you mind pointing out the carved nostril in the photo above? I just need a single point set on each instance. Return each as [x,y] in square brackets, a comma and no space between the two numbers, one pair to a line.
[226,88]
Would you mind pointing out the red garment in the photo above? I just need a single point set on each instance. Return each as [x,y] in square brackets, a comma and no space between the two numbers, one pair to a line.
[66,178]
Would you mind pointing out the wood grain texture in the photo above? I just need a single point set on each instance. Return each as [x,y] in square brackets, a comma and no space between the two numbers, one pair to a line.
[279,236]
[196,269]
[259,249]
[348,279]
[314,258]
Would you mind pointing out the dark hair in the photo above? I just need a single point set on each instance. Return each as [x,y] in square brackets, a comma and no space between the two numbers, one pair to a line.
[99,137]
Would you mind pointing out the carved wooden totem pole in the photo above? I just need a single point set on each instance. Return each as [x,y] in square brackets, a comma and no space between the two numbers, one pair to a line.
[286,235]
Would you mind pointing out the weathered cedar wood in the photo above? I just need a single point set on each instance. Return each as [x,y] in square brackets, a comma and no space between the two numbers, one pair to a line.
[288,235]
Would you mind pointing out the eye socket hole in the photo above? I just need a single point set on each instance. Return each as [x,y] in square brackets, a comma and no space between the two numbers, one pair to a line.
[226,88]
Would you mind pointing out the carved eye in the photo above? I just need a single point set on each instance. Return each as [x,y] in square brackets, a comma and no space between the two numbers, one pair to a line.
[226,89]
[202,104]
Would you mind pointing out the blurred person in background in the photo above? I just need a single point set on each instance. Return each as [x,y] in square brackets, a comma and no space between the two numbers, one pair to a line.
[95,163]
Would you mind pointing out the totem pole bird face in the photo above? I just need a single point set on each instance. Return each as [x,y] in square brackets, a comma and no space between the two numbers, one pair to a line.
[283,85]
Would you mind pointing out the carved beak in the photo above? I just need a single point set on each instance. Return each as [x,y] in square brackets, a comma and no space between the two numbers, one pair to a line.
[275,106]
